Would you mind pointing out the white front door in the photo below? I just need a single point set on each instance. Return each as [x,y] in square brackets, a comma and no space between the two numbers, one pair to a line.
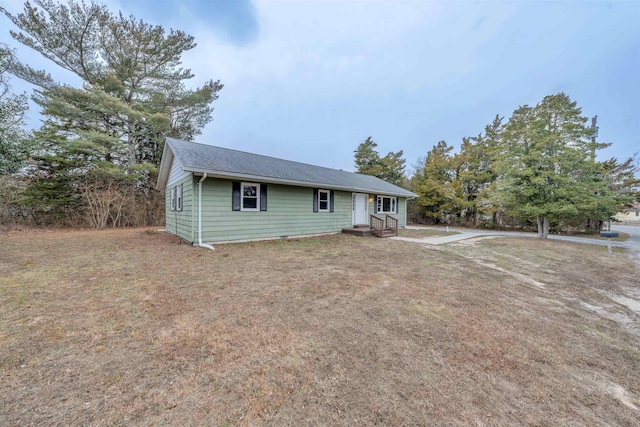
[360,213]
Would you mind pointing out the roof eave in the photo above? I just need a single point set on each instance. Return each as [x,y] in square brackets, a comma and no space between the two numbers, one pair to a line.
[165,166]
[270,180]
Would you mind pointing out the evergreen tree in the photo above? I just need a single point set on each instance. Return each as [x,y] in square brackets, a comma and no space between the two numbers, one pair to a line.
[393,166]
[545,168]
[389,168]
[434,184]
[133,94]
[367,159]
[623,179]
[14,139]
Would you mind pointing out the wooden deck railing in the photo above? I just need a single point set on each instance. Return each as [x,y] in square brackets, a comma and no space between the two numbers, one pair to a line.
[391,223]
[377,225]
[383,227]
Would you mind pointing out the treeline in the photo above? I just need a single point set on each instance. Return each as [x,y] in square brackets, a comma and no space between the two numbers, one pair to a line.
[536,170]
[94,160]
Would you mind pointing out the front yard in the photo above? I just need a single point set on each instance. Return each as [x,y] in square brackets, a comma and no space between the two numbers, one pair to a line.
[133,327]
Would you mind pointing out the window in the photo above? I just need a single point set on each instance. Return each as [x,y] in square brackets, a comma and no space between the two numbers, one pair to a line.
[250,194]
[247,196]
[385,204]
[176,198]
[322,200]
[179,197]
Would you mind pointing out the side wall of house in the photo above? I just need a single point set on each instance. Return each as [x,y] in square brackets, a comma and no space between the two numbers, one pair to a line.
[289,213]
[180,223]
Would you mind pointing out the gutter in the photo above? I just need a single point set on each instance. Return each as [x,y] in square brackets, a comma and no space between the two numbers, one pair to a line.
[200,244]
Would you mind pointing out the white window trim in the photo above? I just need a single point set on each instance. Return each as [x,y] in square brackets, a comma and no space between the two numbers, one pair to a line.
[328,193]
[393,204]
[253,184]
[179,200]
[172,203]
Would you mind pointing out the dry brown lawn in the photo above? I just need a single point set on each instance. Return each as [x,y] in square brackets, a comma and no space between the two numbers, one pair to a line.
[133,327]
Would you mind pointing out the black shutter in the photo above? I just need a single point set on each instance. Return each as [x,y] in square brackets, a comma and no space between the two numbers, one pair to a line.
[263,197]
[235,196]
[375,204]
[331,201]
[315,200]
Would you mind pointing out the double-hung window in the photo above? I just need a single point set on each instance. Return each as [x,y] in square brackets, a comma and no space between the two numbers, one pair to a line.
[386,204]
[179,197]
[176,197]
[323,200]
[250,194]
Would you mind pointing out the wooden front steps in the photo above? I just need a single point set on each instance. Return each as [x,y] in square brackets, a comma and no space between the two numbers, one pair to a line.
[362,230]
[383,227]
[388,232]
[377,226]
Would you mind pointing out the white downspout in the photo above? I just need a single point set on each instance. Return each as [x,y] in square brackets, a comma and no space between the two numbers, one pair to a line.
[406,205]
[202,245]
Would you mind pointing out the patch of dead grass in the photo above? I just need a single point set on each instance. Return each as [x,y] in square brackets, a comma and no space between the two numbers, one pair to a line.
[134,327]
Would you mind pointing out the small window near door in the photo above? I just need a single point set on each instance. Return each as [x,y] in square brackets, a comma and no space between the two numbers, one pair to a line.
[322,200]
[385,204]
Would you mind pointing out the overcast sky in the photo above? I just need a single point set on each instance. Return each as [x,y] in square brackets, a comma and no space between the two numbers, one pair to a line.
[308,81]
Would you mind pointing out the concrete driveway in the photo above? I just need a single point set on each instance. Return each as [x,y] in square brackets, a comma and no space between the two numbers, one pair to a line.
[631,245]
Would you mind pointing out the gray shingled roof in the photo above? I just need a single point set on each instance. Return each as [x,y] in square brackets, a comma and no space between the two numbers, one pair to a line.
[227,163]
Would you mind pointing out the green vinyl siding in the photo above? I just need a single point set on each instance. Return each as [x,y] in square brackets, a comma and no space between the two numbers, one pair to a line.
[181,222]
[289,213]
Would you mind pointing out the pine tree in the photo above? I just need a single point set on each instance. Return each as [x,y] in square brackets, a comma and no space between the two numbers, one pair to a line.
[389,168]
[367,159]
[133,94]
[434,184]
[623,179]
[545,168]
[14,139]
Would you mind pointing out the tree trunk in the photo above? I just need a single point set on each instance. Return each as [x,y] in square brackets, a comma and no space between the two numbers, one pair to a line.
[543,227]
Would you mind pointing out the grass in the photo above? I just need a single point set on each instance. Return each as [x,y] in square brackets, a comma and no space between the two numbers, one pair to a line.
[133,327]
[621,238]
